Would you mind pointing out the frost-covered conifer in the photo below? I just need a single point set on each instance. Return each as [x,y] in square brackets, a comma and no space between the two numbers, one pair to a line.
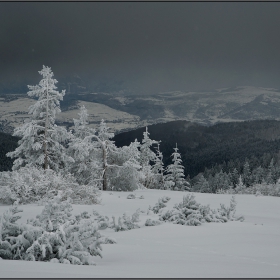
[147,157]
[234,177]
[240,187]
[41,142]
[202,185]
[246,174]
[83,149]
[158,170]
[175,178]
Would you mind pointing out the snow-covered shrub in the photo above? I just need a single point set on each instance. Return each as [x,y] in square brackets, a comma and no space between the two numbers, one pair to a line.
[126,223]
[85,194]
[229,212]
[55,213]
[258,193]
[103,221]
[131,196]
[26,184]
[185,213]
[190,212]
[7,196]
[150,222]
[107,240]
[160,204]
[9,231]
[55,235]
[31,184]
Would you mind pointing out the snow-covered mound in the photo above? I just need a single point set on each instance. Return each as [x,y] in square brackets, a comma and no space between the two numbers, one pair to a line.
[234,249]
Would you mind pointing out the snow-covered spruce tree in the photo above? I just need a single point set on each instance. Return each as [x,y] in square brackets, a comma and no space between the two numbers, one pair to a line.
[202,185]
[147,157]
[234,177]
[41,142]
[246,174]
[175,178]
[83,149]
[240,187]
[158,170]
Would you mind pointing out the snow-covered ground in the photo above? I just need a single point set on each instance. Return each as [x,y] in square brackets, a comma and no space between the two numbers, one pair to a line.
[234,249]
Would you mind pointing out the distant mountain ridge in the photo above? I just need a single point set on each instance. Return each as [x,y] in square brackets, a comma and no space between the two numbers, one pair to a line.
[124,111]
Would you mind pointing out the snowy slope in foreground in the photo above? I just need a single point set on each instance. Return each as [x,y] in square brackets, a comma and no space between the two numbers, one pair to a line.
[234,249]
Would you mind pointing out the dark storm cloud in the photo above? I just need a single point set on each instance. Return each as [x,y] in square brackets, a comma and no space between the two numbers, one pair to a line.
[150,46]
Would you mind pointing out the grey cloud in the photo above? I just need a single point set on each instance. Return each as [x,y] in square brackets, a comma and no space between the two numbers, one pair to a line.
[150,46]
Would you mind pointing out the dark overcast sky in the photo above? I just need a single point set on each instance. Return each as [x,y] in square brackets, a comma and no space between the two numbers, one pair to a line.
[157,46]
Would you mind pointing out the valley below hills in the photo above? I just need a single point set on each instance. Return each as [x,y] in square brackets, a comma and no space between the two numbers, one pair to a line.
[123,112]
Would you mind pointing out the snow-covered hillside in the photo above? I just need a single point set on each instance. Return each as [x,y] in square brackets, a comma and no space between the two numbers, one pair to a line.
[234,249]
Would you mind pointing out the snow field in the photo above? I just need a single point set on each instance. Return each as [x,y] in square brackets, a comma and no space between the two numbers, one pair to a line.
[234,249]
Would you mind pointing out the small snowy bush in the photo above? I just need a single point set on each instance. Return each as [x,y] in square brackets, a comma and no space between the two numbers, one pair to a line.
[126,223]
[55,235]
[191,213]
[150,222]
[160,204]
[131,196]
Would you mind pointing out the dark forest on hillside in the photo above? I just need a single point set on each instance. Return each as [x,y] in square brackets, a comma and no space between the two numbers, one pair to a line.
[209,146]
[222,146]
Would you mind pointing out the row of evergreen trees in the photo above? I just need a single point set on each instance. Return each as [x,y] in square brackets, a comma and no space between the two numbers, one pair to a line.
[88,154]
[232,174]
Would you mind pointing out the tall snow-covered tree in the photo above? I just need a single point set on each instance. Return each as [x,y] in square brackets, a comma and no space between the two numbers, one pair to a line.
[158,170]
[41,142]
[234,176]
[175,178]
[246,174]
[83,150]
[240,187]
[271,177]
[147,157]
